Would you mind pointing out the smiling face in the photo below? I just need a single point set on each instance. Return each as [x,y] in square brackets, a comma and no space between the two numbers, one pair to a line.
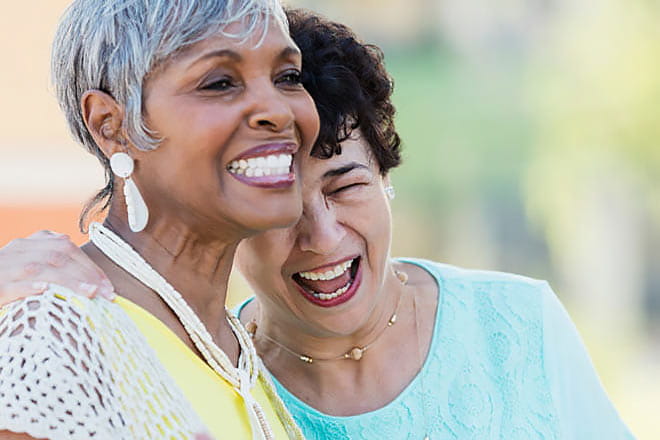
[231,114]
[323,275]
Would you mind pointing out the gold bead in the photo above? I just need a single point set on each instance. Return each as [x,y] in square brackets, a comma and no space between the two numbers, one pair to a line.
[402,276]
[392,321]
[356,353]
[251,328]
[306,359]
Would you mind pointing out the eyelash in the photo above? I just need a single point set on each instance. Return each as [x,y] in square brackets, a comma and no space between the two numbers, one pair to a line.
[215,85]
[346,187]
[293,77]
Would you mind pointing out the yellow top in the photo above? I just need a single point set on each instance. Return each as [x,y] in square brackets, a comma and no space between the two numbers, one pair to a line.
[215,401]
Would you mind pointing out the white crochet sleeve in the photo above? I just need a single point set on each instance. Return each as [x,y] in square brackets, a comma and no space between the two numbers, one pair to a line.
[73,368]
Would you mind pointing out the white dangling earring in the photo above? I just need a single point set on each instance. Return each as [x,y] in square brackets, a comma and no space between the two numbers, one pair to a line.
[138,214]
[389,192]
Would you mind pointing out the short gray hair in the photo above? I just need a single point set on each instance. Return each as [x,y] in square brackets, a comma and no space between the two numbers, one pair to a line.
[113,45]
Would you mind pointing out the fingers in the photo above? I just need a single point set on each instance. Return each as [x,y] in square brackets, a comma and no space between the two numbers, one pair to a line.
[70,258]
[27,265]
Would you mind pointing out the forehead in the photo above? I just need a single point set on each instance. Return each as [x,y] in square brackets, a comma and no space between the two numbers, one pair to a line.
[354,149]
[268,35]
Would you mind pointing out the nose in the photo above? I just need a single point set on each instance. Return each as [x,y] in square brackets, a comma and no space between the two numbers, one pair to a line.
[319,230]
[271,109]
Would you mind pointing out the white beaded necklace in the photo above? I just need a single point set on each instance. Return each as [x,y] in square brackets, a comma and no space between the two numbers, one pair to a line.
[243,378]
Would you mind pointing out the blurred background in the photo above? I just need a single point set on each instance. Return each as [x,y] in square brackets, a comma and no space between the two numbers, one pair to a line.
[532,145]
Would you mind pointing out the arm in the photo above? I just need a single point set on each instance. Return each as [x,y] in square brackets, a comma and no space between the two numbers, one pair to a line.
[584,409]
[28,265]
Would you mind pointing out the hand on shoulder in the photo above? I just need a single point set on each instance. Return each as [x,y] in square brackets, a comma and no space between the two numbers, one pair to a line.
[28,265]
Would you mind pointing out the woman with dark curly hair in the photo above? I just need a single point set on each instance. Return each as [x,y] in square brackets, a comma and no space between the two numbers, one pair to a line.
[363,346]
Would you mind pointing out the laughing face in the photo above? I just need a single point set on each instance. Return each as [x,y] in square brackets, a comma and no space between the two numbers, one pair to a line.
[231,114]
[323,274]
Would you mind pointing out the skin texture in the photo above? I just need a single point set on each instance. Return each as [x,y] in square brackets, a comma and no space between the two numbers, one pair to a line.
[208,109]
[346,213]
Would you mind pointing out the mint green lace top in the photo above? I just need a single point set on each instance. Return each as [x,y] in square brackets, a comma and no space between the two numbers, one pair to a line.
[505,362]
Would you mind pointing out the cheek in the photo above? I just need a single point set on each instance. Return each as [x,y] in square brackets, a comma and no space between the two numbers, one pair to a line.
[307,119]
[262,257]
[378,233]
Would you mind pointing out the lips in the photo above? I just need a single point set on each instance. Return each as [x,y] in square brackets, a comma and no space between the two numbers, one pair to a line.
[267,166]
[330,285]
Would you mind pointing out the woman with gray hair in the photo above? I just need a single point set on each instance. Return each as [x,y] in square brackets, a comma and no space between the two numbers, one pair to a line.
[195,109]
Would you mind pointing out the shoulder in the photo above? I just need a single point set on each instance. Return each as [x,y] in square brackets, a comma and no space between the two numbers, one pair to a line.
[56,320]
[492,284]
[79,368]
[51,360]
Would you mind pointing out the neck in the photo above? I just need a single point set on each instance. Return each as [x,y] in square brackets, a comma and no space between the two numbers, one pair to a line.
[326,351]
[197,267]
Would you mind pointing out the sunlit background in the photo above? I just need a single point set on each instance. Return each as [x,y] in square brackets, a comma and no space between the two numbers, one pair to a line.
[531,132]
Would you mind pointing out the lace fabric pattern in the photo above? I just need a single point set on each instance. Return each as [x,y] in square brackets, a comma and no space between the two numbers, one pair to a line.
[74,368]
[484,376]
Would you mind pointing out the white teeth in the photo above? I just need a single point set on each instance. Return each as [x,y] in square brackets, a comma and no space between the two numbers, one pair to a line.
[271,165]
[333,273]
[333,295]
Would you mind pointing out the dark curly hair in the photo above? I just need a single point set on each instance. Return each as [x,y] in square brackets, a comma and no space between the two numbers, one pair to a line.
[350,86]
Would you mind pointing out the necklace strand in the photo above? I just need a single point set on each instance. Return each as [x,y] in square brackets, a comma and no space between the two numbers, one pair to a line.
[243,378]
[354,353]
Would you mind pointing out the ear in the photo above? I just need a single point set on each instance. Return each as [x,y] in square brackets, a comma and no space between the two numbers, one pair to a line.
[104,119]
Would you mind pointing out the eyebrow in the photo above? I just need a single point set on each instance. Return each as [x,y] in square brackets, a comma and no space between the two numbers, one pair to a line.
[344,169]
[235,56]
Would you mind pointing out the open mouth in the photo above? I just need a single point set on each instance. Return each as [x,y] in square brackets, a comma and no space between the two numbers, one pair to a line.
[269,166]
[330,285]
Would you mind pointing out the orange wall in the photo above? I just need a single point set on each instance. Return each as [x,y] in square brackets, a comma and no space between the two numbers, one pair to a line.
[21,221]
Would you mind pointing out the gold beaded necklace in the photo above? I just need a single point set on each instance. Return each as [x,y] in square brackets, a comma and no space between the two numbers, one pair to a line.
[355,353]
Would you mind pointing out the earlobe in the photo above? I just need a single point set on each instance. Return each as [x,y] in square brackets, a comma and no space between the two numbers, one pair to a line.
[104,119]
[388,188]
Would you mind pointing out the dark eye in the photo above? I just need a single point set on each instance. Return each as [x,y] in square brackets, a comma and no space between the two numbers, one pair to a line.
[219,85]
[291,77]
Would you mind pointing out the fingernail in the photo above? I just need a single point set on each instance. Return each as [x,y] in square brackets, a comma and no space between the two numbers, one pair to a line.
[108,293]
[39,286]
[88,288]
